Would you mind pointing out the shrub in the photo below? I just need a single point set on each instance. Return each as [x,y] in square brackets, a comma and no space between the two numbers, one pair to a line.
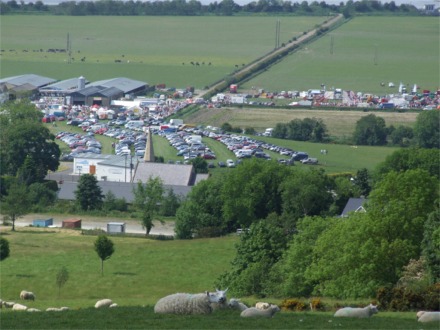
[317,304]
[293,305]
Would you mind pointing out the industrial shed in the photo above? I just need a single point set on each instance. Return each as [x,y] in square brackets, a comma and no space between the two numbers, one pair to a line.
[42,222]
[71,223]
[126,85]
[63,87]
[116,227]
[91,95]
[28,84]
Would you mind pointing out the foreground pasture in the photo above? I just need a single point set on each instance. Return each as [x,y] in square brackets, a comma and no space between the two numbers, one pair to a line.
[145,318]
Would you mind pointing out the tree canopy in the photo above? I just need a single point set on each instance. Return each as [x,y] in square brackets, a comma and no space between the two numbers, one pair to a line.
[104,248]
[88,193]
[370,130]
[427,129]
[26,146]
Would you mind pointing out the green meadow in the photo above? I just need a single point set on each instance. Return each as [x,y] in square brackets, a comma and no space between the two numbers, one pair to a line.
[140,272]
[360,55]
[152,49]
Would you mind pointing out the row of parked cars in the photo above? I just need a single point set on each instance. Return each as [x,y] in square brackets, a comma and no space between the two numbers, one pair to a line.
[78,144]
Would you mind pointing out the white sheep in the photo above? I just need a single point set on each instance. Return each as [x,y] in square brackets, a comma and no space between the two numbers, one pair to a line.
[113,305]
[262,305]
[27,295]
[255,312]
[19,307]
[8,304]
[56,309]
[424,317]
[186,303]
[33,310]
[103,303]
[365,312]
[237,304]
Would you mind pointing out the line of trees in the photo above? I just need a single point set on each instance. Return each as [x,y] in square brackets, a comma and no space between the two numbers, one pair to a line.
[196,8]
[370,130]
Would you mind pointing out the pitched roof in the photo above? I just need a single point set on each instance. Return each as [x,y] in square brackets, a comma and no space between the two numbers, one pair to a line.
[354,205]
[171,174]
[124,84]
[32,79]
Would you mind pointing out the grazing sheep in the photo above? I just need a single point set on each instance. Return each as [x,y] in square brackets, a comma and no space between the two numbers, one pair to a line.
[103,303]
[262,305]
[113,305]
[255,312]
[365,312]
[26,295]
[428,316]
[185,303]
[19,307]
[237,304]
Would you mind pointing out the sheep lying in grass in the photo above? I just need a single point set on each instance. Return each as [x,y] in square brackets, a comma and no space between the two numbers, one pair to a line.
[255,312]
[19,307]
[55,309]
[237,304]
[27,295]
[262,305]
[33,310]
[365,312]
[8,304]
[103,303]
[424,317]
[185,303]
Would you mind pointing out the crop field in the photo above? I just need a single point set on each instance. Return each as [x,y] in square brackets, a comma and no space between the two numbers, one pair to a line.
[139,273]
[339,123]
[152,49]
[360,55]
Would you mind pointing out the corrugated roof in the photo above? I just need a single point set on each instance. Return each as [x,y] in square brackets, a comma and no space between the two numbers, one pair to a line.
[64,85]
[89,90]
[109,92]
[124,84]
[32,79]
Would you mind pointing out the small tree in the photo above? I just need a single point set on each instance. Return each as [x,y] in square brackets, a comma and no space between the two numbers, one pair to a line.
[62,277]
[16,202]
[4,248]
[104,248]
[89,194]
[147,200]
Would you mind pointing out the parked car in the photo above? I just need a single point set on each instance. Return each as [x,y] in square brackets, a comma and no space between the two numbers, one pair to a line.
[310,161]
[221,164]
[230,163]
[300,155]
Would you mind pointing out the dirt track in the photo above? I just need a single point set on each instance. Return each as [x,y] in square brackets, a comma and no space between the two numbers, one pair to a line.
[131,226]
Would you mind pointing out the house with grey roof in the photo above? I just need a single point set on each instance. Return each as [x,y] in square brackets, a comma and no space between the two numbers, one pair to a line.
[354,205]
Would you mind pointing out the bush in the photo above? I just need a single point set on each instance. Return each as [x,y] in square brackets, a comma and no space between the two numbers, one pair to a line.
[405,299]
[293,305]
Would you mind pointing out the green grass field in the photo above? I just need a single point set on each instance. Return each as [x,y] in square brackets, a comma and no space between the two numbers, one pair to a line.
[139,273]
[360,55]
[155,47]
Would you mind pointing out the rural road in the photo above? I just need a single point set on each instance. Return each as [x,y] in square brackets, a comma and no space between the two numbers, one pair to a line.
[131,226]
[301,39]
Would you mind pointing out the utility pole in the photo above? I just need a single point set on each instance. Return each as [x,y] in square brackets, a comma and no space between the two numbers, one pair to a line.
[69,49]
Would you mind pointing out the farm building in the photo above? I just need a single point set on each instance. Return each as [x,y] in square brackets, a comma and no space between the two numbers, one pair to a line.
[64,87]
[28,84]
[116,228]
[42,222]
[71,223]
[104,92]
